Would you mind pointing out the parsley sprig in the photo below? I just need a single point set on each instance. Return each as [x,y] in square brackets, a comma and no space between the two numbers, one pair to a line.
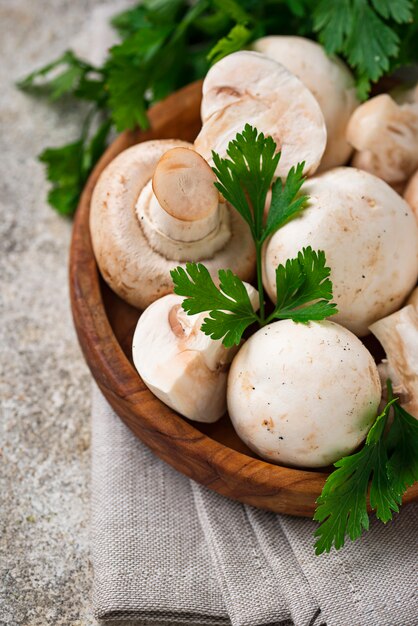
[304,289]
[244,180]
[304,292]
[385,467]
[166,44]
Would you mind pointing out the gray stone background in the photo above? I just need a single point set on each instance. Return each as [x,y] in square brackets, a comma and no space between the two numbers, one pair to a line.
[45,576]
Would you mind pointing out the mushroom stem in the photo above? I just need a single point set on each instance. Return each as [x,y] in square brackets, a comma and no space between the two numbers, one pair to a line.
[398,334]
[411,193]
[180,210]
[181,365]
[186,201]
[182,230]
[384,132]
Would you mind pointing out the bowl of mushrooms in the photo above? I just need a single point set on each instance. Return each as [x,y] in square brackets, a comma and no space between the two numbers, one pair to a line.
[242,279]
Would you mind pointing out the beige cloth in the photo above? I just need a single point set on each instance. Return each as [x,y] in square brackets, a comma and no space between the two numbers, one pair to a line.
[167,551]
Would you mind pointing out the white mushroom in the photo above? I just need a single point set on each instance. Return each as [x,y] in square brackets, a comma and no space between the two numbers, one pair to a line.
[384,131]
[398,334]
[370,239]
[247,87]
[329,80]
[303,395]
[411,193]
[154,206]
[181,365]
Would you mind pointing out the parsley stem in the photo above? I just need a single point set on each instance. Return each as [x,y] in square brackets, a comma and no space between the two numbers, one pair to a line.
[258,249]
[269,319]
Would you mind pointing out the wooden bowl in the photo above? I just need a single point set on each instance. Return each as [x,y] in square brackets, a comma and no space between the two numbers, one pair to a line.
[211,454]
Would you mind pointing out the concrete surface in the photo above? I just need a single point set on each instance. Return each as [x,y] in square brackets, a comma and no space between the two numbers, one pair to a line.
[45,576]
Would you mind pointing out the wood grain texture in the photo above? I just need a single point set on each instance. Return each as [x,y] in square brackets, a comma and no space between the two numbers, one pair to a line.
[211,454]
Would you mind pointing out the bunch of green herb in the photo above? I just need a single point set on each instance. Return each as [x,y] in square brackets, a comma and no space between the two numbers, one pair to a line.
[168,43]
[388,463]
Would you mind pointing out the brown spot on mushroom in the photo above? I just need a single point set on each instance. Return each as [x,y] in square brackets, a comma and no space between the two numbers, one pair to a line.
[371,202]
[229,91]
[268,423]
[174,166]
[310,439]
[246,383]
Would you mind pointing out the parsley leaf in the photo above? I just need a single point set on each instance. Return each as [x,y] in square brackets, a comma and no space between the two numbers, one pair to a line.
[59,78]
[131,21]
[234,10]
[357,29]
[126,94]
[235,40]
[245,178]
[69,166]
[146,15]
[143,44]
[403,450]
[386,466]
[400,11]
[286,202]
[371,44]
[229,306]
[147,65]
[301,281]
[342,505]
[333,26]
[95,146]
[64,172]
[130,74]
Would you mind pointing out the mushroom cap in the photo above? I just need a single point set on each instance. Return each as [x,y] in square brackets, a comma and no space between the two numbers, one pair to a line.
[303,395]
[398,334]
[327,78]
[370,239]
[131,267]
[411,193]
[385,136]
[182,366]
[247,87]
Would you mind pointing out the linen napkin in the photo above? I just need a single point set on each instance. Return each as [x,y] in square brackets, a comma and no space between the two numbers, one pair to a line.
[166,550]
